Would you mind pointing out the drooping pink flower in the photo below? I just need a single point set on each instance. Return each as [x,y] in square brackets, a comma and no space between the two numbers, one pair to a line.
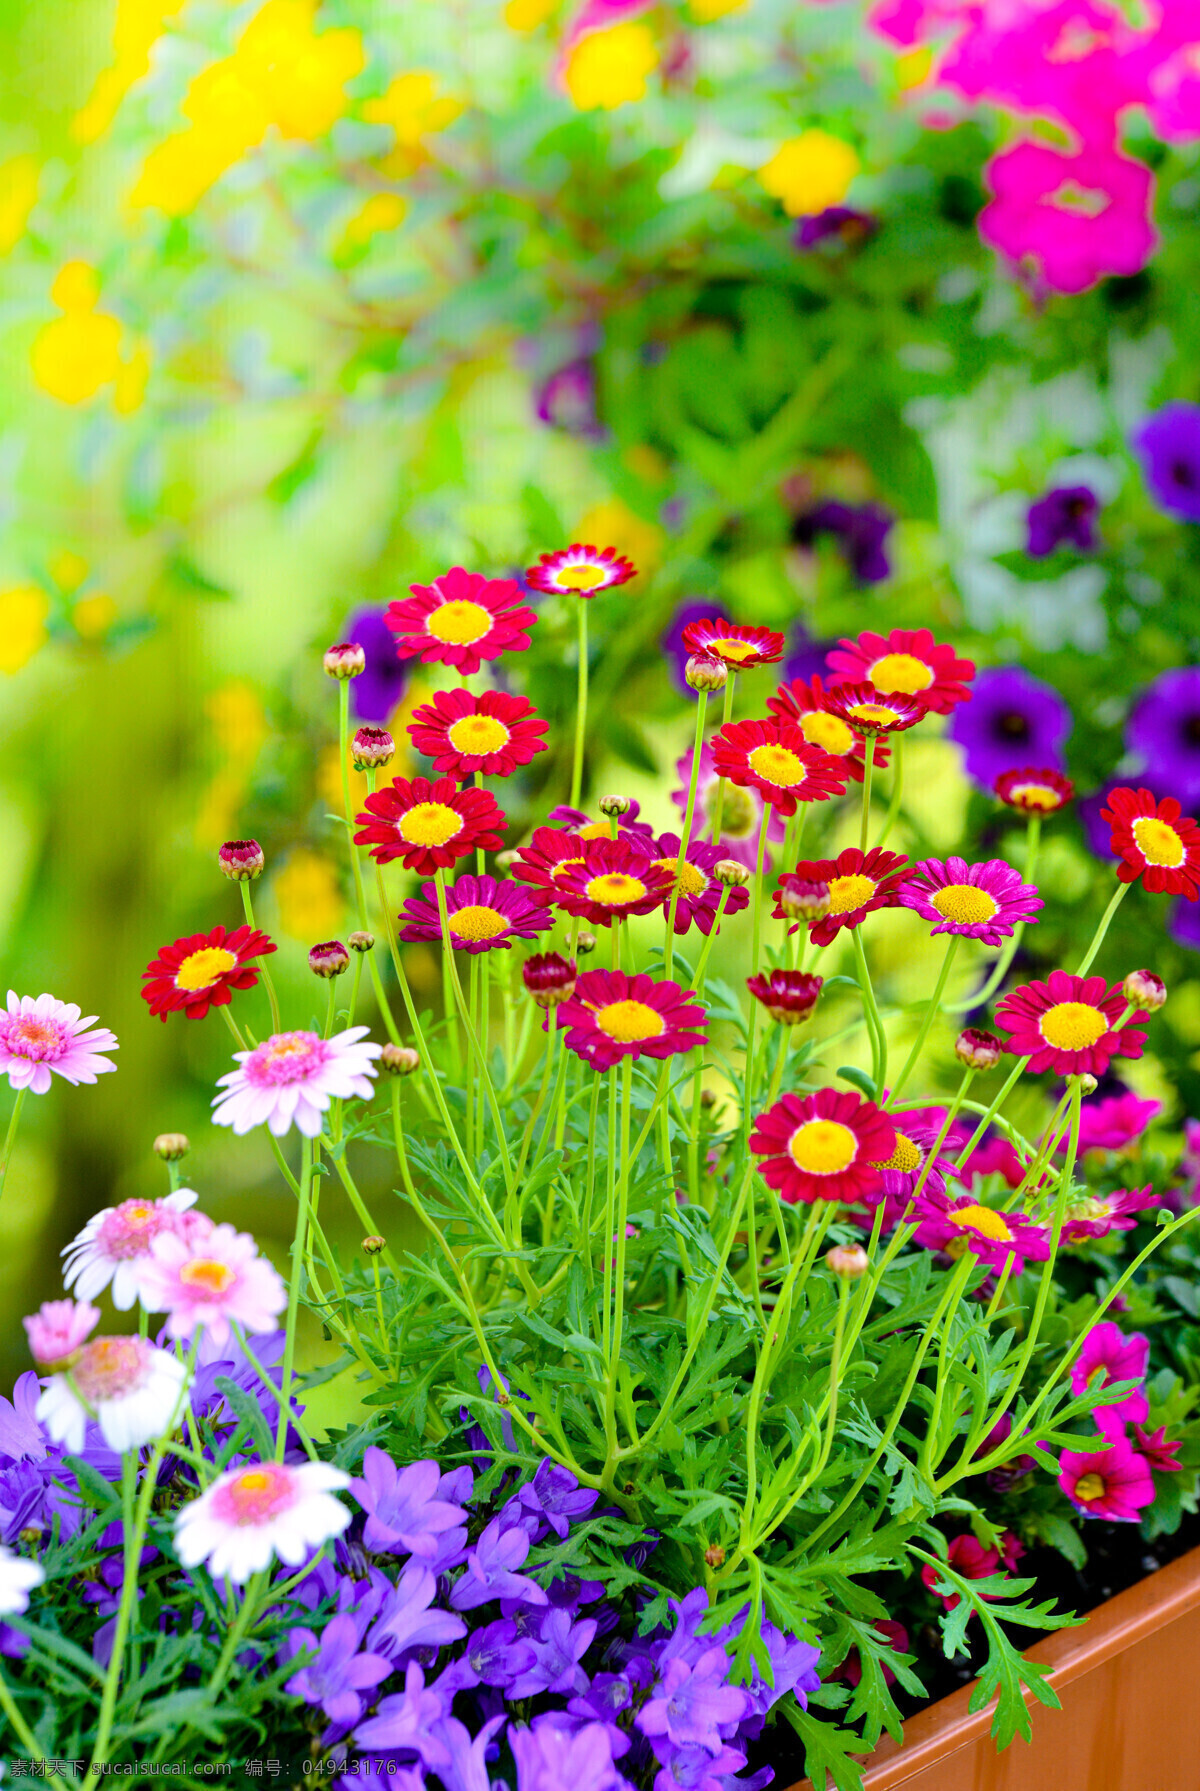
[58,1330]
[1112,1124]
[1109,1356]
[39,1034]
[1114,1482]
[1077,217]
[210,1281]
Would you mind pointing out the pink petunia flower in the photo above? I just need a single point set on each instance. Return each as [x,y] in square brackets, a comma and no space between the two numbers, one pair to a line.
[40,1034]
[256,1512]
[58,1330]
[114,1245]
[209,1281]
[1109,1356]
[1077,217]
[291,1078]
[968,1558]
[1114,1483]
[1112,1124]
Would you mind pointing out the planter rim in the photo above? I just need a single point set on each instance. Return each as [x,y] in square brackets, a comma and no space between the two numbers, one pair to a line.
[942,1729]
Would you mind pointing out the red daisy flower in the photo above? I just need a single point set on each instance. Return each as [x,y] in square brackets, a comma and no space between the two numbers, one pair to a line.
[789,996]
[803,703]
[908,662]
[965,1224]
[1155,841]
[202,970]
[1034,791]
[611,881]
[822,1146]
[774,758]
[481,914]
[463,733]
[545,860]
[612,1015]
[699,891]
[429,825]
[1068,1024]
[868,711]
[462,619]
[858,882]
[584,571]
[740,645]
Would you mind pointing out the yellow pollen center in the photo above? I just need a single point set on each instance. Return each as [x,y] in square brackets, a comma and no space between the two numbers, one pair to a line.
[822,1147]
[689,881]
[211,1277]
[136,1214]
[778,765]
[201,969]
[459,623]
[595,830]
[254,1480]
[287,1047]
[873,715]
[629,1022]
[901,672]
[478,922]
[738,651]
[1089,1488]
[964,903]
[981,1220]
[613,889]
[1158,843]
[1072,1025]
[827,731]
[429,824]
[848,893]
[906,1157]
[478,734]
[580,578]
[563,865]
[1039,796]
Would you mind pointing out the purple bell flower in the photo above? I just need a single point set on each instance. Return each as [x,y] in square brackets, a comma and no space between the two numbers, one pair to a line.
[555,1494]
[406,1721]
[1168,445]
[691,1703]
[860,530]
[375,692]
[559,1645]
[465,1768]
[406,1619]
[1012,720]
[404,1511]
[551,1758]
[1066,514]
[337,1673]
[491,1570]
[567,400]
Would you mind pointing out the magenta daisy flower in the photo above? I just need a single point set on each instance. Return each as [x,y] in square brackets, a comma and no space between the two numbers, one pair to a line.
[611,881]
[774,758]
[611,1016]
[39,1034]
[869,711]
[974,901]
[1069,1024]
[1098,1214]
[995,1238]
[858,883]
[1114,1483]
[698,890]
[491,733]
[481,913]
[291,1078]
[739,645]
[460,619]
[803,703]
[900,1173]
[822,1146]
[544,862]
[429,824]
[1034,791]
[907,662]
[583,826]
[741,810]
[581,570]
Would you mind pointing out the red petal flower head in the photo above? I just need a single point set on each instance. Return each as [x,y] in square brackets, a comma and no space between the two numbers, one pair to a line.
[581,570]
[612,880]
[869,712]
[429,825]
[739,645]
[611,1016]
[460,619]
[858,883]
[907,662]
[1034,791]
[1069,1024]
[774,758]
[822,1146]
[202,970]
[491,733]
[1155,841]
[789,996]
[241,860]
[803,703]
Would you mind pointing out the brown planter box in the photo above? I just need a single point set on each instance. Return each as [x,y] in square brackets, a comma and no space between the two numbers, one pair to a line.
[1129,1682]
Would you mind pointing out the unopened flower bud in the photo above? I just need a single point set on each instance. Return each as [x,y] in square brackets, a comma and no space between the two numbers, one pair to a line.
[714,1554]
[170,1146]
[399,1060]
[1142,989]
[708,1097]
[976,1049]
[850,1261]
[373,1245]
[504,861]
[801,900]
[241,860]
[30,1534]
[346,660]
[731,873]
[329,959]
[1087,1084]
[372,748]
[549,977]
[361,941]
[614,806]
[703,673]
[585,943]
[789,996]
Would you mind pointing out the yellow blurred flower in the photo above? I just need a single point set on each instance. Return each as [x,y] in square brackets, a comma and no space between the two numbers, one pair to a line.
[382,211]
[609,68]
[137,28]
[309,898]
[613,524]
[68,569]
[23,612]
[81,351]
[705,11]
[129,390]
[238,720]
[94,615]
[19,178]
[179,171]
[913,68]
[810,172]
[413,109]
[527,15]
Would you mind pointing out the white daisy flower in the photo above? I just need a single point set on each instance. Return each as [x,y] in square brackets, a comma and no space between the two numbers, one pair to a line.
[114,1245]
[18,1577]
[291,1078]
[252,1514]
[131,1389]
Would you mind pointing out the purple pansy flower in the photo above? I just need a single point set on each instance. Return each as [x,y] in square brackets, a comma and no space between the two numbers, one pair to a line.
[555,1494]
[861,531]
[551,1758]
[691,1701]
[491,1570]
[406,1620]
[1012,720]
[1168,445]
[404,1511]
[1164,730]
[337,1672]
[375,692]
[1067,514]
[559,1645]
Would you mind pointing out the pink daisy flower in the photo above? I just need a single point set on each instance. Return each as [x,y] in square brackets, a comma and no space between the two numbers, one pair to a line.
[58,1330]
[698,889]
[741,810]
[1098,1214]
[210,1281]
[460,619]
[612,880]
[250,1515]
[1108,1356]
[482,914]
[582,570]
[292,1077]
[774,758]
[1114,1483]
[1069,1024]
[611,1016]
[580,825]
[739,645]
[114,1245]
[129,1387]
[974,901]
[1113,1124]
[997,1239]
[40,1034]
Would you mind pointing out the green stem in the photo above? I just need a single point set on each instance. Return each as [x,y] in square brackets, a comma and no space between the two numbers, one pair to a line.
[935,1003]
[10,1136]
[685,836]
[719,804]
[875,1027]
[360,892]
[1122,891]
[268,984]
[21,1728]
[868,770]
[581,703]
[293,1305]
[472,1036]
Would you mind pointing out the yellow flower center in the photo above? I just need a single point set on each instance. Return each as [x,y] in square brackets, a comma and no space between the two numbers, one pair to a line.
[201,969]
[778,765]
[827,731]
[983,1221]
[1072,1025]
[613,889]
[579,578]
[629,1022]
[459,623]
[209,1276]
[689,881]
[901,672]
[1040,796]
[873,715]
[1158,843]
[906,1157]
[563,865]
[739,816]
[478,734]
[1089,1488]
[595,830]
[137,1213]
[256,1494]
[848,893]
[429,824]
[478,922]
[964,903]
[738,651]
[823,1147]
